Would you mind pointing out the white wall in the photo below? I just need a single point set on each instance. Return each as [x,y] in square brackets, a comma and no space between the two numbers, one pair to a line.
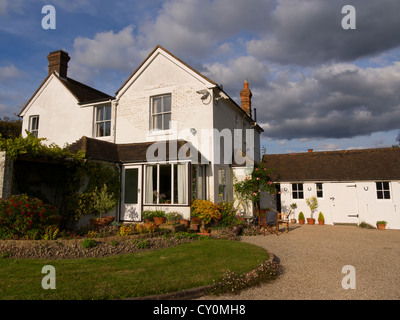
[61,119]
[363,198]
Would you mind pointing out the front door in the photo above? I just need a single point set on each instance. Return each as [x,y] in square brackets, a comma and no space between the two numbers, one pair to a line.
[131,194]
[344,203]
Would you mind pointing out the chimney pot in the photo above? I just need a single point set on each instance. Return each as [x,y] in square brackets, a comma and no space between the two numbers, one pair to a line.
[310,150]
[58,61]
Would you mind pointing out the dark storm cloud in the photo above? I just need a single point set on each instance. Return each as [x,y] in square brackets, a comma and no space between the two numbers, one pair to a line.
[338,101]
[309,32]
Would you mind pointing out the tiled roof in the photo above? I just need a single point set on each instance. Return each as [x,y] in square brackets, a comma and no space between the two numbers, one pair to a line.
[351,165]
[133,152]
[83,93]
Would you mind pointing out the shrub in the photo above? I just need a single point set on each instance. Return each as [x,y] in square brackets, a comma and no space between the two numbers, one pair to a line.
[205,210]
[366,225]
[301,215]
[88,243]
[173,216]
[147,215]
[321,217]
[20,215]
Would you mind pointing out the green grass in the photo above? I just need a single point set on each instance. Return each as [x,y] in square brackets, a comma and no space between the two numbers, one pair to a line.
[132,275]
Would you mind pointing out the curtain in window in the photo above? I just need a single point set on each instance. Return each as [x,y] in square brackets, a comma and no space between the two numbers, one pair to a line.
[182,183]
[149,184]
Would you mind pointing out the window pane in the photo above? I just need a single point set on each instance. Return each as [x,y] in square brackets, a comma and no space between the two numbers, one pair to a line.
[156,105]
[385,185]
[131,186]
[167,104]
[301,195]
[107,130]
[380,194]
[167,119]
[165,184]
[100,113]
[107,113]
[386,194]
[100,129]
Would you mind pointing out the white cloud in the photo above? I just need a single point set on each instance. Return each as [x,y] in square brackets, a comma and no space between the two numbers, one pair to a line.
[9,72]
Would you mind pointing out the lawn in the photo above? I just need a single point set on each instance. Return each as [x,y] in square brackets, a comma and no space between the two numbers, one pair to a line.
[131,275]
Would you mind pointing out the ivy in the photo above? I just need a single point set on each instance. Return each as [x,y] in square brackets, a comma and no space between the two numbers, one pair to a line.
[34,147]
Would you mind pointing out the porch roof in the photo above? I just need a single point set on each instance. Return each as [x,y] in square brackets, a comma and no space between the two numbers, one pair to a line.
[135,152]
[349,165]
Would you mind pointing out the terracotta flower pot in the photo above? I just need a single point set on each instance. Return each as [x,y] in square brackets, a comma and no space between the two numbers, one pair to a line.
[185,222]
[321,222]
[381,226]
[159,220]
[301,221]
[310,221]
[194,226]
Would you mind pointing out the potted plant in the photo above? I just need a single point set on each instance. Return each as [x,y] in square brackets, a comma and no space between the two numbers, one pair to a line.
[147,216]
[381,225]
[103,202]
[159,217]
[313,205]
[301,217]
[321,219]
[206,211]
[293,206]
[173,217]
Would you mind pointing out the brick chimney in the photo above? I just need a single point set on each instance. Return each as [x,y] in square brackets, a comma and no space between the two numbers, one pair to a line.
[246,95]
[58,61]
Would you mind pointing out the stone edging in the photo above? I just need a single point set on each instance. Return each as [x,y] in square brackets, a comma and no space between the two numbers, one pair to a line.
[194,293]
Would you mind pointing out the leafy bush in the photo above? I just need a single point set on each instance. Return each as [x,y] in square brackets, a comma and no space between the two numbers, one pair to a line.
[88,243]
[205,210]
[321,217]
[173,216]
[301,215]
[25,217]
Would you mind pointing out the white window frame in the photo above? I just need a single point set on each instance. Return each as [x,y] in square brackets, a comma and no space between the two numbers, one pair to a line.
[162,113]
[34,131]
[319,190]
[383,190]
[157,187]
[297,191]
[104,121]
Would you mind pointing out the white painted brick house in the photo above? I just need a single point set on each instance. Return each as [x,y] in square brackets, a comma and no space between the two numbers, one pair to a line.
[204,132]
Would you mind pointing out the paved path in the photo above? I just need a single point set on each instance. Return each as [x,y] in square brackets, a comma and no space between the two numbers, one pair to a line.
[313,257]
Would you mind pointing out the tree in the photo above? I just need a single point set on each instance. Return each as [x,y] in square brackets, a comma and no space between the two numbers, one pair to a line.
[10,127]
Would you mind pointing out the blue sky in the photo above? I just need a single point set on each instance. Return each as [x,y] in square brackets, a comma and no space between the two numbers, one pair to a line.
[315,85]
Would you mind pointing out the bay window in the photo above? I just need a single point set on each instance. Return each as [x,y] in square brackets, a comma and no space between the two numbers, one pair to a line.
[166,184]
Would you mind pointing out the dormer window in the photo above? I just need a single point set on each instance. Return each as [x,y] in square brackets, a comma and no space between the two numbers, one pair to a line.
[161,112]
[103,121]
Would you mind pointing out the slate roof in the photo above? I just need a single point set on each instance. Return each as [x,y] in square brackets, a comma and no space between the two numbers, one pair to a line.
[130,153]
[350,165]
[83,93]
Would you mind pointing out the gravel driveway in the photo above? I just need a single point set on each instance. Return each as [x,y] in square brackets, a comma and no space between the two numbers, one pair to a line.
[312,258]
